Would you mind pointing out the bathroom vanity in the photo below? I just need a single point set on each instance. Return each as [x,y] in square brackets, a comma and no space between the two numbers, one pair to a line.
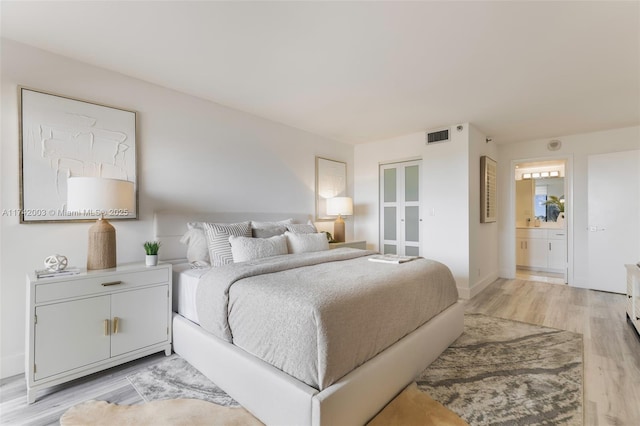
[541,249]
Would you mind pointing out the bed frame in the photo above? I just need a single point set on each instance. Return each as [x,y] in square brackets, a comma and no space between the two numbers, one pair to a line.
[277,398]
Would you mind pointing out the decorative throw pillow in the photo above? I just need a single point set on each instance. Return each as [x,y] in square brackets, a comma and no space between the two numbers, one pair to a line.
[268,231]
[258,224]
[197,249]
[302,228]
[244,249]
[218,240]
[303,243]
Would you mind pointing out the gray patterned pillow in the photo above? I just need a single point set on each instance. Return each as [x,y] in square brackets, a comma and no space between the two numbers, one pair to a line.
[218,240]
[302,228]
[268,231]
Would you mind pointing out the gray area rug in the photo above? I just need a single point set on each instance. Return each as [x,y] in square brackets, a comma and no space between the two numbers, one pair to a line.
[502,372]
[499,372]
[174,378]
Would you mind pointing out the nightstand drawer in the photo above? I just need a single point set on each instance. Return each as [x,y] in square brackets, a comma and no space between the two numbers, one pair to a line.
[84,285]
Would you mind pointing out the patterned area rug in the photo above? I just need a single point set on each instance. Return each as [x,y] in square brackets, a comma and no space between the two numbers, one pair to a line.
[498,372]
[174,378]
[511,373]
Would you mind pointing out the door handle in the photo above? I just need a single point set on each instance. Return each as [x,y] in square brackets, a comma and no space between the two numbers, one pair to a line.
[116,325]
[106,327]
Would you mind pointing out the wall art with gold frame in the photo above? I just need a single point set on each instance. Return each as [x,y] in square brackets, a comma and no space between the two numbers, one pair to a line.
[488,190]
[331,181]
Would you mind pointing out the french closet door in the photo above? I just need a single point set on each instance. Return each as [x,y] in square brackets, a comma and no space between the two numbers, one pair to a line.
[400,223]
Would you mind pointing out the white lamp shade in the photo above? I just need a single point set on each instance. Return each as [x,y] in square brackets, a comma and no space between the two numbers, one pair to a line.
[340,206]
[92,195]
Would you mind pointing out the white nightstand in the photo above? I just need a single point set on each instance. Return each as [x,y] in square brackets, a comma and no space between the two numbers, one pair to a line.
[80,324]
[362,245]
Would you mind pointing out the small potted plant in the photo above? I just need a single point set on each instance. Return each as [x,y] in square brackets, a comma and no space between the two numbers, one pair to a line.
[151,248]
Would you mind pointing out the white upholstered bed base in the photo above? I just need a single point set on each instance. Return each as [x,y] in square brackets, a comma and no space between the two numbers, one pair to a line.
[279,399]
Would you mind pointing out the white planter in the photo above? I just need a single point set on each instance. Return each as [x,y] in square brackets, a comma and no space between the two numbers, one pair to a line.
[151,260]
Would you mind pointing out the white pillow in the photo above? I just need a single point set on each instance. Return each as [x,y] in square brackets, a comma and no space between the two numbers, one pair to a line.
[197,249]
[218,240]
[303,243]
[244,248]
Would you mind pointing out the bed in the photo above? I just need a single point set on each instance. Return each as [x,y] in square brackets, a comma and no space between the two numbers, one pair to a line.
[350,381]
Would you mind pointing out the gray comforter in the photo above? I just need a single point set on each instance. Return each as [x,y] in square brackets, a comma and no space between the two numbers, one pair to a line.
[317,316]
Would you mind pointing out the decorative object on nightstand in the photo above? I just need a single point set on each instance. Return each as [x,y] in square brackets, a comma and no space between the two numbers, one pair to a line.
[340,206]
[151,248]
[99,196]
[94,320]
[56,262]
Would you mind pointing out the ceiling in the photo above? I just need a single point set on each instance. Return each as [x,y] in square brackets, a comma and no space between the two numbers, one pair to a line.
[363,71]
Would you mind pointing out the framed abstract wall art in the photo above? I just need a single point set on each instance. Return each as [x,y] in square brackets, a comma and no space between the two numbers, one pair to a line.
[62,137]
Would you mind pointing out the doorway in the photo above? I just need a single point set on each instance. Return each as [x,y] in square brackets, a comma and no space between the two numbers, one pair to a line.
[400,223]
[541,208]
[613,183]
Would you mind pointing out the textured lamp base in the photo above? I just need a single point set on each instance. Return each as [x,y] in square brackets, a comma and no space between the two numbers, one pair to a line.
[102,246]
[338,230]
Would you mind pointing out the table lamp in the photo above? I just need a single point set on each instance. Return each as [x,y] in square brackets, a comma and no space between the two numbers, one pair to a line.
[340,206]
[92,196]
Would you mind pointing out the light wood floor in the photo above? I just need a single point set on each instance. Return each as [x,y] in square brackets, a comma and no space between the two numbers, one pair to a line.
[611,348]
[611,352]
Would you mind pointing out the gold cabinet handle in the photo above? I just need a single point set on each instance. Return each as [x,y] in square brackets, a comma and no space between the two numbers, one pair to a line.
[111,283]
[116,325]
[106,327]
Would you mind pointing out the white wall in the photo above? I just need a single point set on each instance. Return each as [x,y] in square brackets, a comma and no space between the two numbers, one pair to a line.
[193,154]
[451,230]
[483,237]
[576,149]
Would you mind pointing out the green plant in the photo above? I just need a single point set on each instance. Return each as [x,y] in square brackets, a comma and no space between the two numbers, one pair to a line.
[151,247]
[329,236]
[555,201]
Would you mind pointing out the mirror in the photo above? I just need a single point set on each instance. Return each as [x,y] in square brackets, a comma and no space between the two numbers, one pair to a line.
[540,192]
[535,200]
[548,200]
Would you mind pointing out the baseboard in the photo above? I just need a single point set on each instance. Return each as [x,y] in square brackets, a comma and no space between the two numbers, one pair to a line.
[507,273]
[464,293]
[482,284]
[12,365]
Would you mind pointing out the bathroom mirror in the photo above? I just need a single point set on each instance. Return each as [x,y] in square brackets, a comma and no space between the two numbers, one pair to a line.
[532,196]
[548,190]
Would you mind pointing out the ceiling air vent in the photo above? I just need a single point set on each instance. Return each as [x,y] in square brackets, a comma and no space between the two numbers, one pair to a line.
[438,136]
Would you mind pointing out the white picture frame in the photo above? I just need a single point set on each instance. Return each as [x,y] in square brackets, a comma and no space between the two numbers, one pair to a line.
[331,181]
[62,137]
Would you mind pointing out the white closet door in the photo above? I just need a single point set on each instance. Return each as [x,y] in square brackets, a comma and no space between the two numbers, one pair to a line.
[614,218]
[400,223]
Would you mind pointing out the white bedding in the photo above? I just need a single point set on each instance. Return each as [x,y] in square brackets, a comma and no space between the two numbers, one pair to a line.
[185,284]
